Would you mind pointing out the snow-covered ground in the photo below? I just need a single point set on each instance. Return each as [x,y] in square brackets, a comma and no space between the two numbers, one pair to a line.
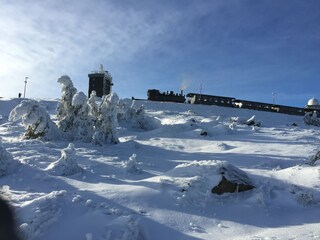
[157,184]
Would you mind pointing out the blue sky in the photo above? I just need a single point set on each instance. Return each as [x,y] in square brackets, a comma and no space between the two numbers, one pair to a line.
[246,49]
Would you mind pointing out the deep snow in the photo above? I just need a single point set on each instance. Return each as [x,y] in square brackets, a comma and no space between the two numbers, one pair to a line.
[146,187]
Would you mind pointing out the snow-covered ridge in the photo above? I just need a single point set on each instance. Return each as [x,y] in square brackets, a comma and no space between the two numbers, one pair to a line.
[146,187]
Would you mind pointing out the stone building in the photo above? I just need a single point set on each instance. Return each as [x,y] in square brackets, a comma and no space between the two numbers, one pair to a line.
[100,81]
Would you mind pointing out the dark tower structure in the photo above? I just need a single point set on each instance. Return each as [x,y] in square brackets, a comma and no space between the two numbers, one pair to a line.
[100,81]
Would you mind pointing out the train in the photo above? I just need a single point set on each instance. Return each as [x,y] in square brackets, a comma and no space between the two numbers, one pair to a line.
[198,98]
[169,96]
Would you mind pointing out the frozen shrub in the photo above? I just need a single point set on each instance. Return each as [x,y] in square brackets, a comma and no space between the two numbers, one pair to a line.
[67,164]
[312,119]
[6,160]
[73,112]
[315,158]
[106,124]
[65,108]
[137,118]
[305,198]
[35,119]
[131,166]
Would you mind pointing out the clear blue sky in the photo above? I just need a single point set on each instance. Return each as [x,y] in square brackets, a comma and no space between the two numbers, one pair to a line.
[246,49]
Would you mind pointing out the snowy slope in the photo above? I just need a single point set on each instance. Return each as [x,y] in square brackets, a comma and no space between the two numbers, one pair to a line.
[144,187]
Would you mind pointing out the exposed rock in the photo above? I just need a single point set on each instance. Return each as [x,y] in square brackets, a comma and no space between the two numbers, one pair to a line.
[195,179]
[252,122]
[228,186]
[204,133]
[232,180]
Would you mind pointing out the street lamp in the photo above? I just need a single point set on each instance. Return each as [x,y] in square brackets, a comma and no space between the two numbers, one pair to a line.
[25,87]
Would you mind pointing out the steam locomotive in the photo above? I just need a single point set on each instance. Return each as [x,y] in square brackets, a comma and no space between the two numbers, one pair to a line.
[156,95]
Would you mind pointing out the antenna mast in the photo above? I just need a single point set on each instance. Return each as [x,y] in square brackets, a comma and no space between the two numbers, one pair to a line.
[25,87]
[101,68]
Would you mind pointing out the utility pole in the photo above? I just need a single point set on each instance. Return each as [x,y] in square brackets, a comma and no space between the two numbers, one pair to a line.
[25,87]
[201,92]
[273,98]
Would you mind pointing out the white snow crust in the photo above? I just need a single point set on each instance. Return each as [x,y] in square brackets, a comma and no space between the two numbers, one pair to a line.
[156,182]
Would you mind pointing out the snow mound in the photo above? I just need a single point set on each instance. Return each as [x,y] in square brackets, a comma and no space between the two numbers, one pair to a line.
[67,164]
[41,213]
[196,180]
[6,160]
[125,227]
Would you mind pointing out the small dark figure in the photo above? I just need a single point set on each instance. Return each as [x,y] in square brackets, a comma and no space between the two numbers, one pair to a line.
[19,95]
[8,229]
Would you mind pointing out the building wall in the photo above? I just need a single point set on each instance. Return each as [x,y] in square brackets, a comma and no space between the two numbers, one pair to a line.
[101,83]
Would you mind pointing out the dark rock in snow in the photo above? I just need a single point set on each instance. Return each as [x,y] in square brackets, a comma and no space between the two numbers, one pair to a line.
[233,180]
[252,122]
[196,178]
[204,133]
[227,186]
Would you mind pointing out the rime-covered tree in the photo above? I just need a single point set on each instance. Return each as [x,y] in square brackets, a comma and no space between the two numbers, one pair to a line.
[64,109]
[312,119]
[107,122]
[314,158]
[136,117]
[35,119]
[82,127]
[131,166]
[93,106]
[66,165]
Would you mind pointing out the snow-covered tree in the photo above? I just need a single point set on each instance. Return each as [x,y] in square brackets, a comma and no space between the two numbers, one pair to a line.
[67,164]
[82,123]
[315,157]
[107,122]
[35,119]
[136,117]
[6,160]
[131,166]
[312,119]
[64,109]
[93,106]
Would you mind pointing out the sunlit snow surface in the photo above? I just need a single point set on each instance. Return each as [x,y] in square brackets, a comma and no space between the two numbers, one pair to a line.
[146,187]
